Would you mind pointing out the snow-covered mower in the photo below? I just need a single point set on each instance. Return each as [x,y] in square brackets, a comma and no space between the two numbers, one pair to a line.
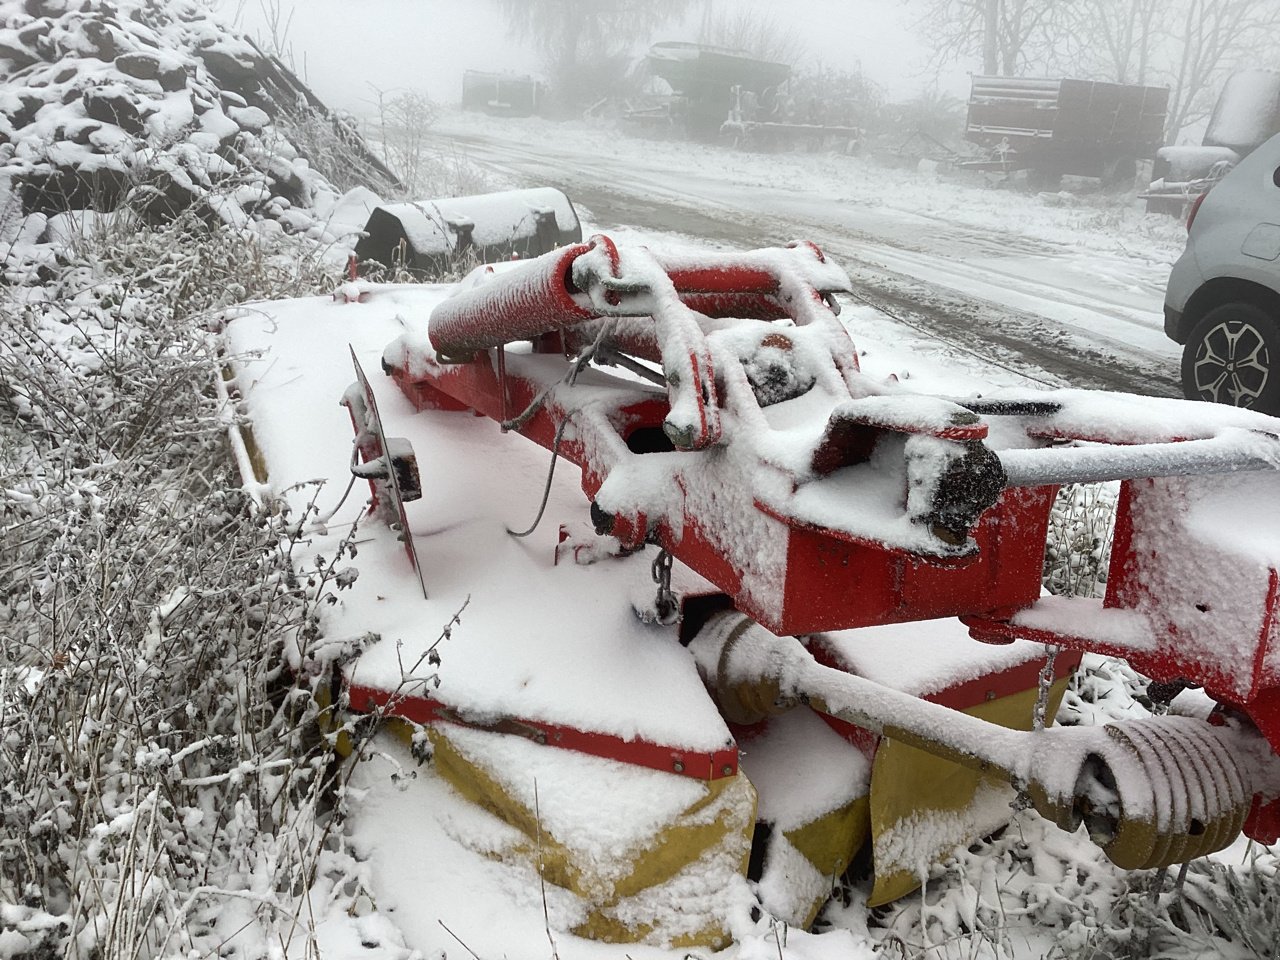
[814,530]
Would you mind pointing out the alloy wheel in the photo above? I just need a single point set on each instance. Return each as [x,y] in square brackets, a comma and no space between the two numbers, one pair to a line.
[1232,364]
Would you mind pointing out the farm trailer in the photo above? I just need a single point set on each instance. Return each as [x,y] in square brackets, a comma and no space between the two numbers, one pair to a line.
[1057,127]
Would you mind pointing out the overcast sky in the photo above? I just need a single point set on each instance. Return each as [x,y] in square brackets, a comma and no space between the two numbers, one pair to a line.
[348,47]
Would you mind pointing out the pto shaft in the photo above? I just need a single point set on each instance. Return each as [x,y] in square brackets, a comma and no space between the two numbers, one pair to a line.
[1152,792]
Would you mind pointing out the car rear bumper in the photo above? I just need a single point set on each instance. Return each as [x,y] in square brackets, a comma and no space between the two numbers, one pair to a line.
[1173,325]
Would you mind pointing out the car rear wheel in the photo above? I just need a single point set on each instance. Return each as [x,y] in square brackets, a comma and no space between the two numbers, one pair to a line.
[1233,356]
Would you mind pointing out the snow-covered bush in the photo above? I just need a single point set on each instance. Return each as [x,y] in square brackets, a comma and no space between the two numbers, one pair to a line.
[1228,911]
[1033,891]
[401,131]
[163,784]
[1078,547]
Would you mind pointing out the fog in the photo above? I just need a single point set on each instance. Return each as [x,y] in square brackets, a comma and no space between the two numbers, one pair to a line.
[425,45]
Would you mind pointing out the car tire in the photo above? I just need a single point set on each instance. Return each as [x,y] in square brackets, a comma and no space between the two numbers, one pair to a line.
[1233,356]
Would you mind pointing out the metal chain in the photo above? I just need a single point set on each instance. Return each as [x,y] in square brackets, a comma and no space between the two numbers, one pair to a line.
[1039,714]
[1051,651]
[665,603]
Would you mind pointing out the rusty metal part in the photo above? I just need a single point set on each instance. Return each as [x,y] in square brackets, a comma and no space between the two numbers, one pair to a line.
[967,487]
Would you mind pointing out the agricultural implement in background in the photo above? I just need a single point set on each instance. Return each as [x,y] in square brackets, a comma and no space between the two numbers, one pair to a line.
[502,94]
[796,509]
[1245,116]
[704,79]
[921,147]
[1063,126]
[726,93]
[781,122]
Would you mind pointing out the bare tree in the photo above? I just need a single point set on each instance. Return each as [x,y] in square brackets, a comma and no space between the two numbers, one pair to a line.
[1208,40]
[1118,38]
[1005,34]
[584,42]
[404,130]
[1189,46]
[760,34]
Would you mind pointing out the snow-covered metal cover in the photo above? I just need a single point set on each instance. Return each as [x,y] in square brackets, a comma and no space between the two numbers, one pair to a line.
[535,640]
[492,226]
[555,657]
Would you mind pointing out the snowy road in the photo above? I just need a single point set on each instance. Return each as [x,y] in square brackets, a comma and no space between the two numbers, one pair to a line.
[1051,310]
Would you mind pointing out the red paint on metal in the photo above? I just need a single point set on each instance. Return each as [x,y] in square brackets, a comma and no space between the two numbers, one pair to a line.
[1263,822]
[809,245]
[1162,663]
[835,582]
[1176,653]
[1264,711]
[960,696]
[537,301]
[697,765]
[729,278]
[829,581]
[825,579]
[1267,634]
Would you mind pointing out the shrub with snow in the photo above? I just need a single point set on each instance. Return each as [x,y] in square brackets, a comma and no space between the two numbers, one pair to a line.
[163,783]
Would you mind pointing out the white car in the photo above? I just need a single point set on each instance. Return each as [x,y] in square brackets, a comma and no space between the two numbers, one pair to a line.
[1223,298]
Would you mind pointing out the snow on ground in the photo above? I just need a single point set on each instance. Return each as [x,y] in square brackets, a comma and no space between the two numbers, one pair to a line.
[913,203]
[428,853]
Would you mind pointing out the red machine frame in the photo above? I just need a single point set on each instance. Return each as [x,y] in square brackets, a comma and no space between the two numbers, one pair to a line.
[959,523]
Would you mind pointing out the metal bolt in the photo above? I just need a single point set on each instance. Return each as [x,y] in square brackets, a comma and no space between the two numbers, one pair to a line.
[727,770]
[679,766]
